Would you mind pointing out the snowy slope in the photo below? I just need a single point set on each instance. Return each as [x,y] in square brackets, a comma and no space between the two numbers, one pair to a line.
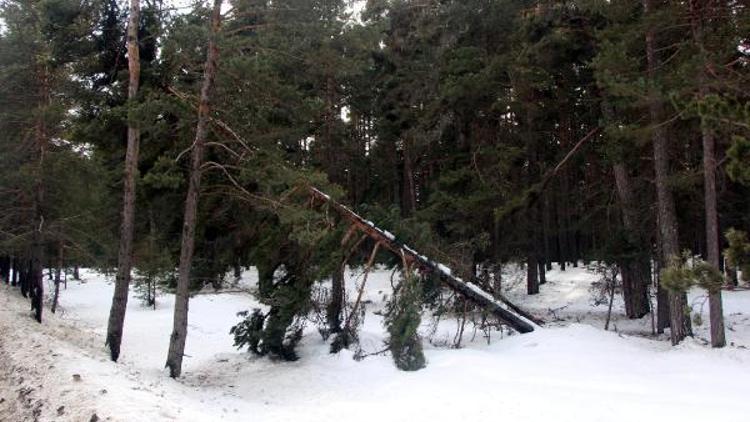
[568,371]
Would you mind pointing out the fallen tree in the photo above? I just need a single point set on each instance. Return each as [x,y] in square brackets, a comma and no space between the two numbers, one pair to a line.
[502,308]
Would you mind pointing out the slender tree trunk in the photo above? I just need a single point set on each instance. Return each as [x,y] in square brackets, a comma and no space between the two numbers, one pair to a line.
[127,227]
[497,280]
[11,269]
[662,299]
[16,271]
[731,275]
[563,221]
[337,299]
[409,189]
[23,278]
[718,338]
[179,330]
[237,270]
[547,226]
[58,274]
[679,320]
[76,273]
[37,248]
[5,269]
[532,275]
[542,273]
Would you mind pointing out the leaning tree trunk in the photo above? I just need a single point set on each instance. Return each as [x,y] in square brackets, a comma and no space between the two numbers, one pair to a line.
[179,329]
[679,322]
[125,254]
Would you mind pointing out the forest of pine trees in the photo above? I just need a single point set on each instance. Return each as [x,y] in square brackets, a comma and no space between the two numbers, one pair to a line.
[181,144]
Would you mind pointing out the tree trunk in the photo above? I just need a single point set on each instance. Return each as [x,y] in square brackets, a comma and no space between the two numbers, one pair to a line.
[542,273]
[23,278]
[635,271]
[58,273]
[16,272]
[532,275]
[5,269]
[179,329]
[679,321]
[562,245]
[547,232]
[731,275]
[14,276]
[337,299]
[409,189]
[36,278]
[125,253]
[718,337]
[76,273]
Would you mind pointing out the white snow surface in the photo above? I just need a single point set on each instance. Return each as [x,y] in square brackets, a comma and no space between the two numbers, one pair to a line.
[570,370]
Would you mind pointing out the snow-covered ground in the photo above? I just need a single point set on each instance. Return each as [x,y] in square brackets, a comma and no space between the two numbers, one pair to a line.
[571,370]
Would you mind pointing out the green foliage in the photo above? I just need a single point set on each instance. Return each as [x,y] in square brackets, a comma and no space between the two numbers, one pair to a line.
[738,252]
[403,316]
[680,276]
[248,332]
[738,167]
[707,276]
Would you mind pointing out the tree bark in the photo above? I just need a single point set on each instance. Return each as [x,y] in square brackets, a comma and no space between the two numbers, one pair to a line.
[635,271]
[718,337]
[58,274]
[547,232]
[23,278]
[5,269]
[532,275]
[679,322]
[471,290]
[36,278]
[16,270]
[409,189]
[542,273]
[336,305]
[731,275]
[125,253]
[179,329]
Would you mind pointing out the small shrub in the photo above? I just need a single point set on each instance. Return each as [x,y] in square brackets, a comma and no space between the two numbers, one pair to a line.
[402,320]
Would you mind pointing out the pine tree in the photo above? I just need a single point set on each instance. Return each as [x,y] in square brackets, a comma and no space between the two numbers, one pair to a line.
[127,225]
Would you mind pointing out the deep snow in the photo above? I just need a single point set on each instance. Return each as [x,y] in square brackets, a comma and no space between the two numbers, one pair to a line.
[571,370]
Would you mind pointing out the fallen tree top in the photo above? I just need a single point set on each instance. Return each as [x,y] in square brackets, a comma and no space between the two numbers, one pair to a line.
[503,309]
